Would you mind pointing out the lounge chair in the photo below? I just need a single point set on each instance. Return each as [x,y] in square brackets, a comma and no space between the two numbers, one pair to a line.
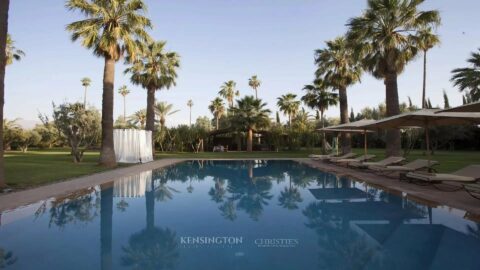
[384,162]
[468,174]
[322,157]
[349,155]
[416,165]
[473,190]
[358,159]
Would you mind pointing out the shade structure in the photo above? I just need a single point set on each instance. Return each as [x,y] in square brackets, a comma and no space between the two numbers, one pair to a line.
[426,118]
[132,145]
[472,107]
[353,127]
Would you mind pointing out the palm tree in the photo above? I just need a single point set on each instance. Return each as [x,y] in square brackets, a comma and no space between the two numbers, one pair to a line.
[217,109]
[318,98]
[85,83]
[111,29]
[254,82]
[426,40]
[469,78]
[289,106]
[250,114]
[4,5]
[190,105]
[228,92]
[155,70]
[123,91]
[139,118]
[337,64]
[162,110]
[12,52]
[385,37]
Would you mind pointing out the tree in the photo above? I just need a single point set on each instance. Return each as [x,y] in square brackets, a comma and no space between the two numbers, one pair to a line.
[139,118]
[385,37]
[155,70]
[111,28]
[217,108]
[28,138]
[446,102]
[4,5]
[251,115]
[318,98]
[162,110]
[254,83]
[81,127]
[288,105]
[228,91]
[11,131]
[85,83]
[123,91]
[277,117]
[12,52]
[426,40]
[469,78]
[190,105]
[339,69]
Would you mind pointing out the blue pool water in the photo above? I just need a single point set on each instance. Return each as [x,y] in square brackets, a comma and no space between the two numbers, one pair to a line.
[236,215]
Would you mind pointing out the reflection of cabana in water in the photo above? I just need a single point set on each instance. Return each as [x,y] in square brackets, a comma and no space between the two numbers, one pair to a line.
[133,186]
[424,246]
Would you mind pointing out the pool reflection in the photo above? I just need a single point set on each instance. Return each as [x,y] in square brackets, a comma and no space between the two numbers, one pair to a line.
[139,221]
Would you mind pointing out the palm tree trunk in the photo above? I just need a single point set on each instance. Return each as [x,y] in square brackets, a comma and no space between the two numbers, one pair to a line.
[346,137]
[124,110]
[150,125]
[4,5]
[323,134]
[393,108]
[250,140]
[256,94]
[150,207]
[424,79]
[217,122]
[85,98]
[190,116]
[107,154]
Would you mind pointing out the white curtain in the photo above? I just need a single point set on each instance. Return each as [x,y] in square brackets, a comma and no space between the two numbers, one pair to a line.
[132,145]
[133,186]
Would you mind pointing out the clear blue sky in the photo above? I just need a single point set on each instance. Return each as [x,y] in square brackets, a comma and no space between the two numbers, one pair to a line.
[220,41]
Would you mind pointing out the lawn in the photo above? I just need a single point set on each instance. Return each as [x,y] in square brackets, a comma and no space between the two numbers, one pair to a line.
[44,166]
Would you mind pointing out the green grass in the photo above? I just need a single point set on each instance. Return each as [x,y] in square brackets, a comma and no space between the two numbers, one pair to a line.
[39,167]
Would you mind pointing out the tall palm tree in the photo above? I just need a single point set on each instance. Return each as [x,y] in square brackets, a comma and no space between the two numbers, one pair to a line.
[139,118]
[85,83]
[254,82]
[190,105]
[228,91]
[339,69]
[217,108]
[155,70]
[320,99]
[385,38]
[250,114]
[469,78]
[111,28]
[162,110]
[12,52]
[288,105]
[4,5]
[124,91]
[426,40]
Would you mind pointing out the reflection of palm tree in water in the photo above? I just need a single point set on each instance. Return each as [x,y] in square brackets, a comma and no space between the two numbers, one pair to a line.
[151,248]
[290,197]
[6,258]
[252,197]
[106,223]
[218,191]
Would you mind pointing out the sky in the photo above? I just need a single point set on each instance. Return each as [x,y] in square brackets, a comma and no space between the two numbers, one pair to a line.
[221,40]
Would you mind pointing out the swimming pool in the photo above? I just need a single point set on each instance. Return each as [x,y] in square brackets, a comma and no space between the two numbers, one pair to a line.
[236,215]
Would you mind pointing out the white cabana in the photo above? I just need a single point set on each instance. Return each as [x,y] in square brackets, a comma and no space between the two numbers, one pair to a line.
[132,145]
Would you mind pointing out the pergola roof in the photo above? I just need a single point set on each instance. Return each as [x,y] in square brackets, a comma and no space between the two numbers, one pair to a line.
[472,107]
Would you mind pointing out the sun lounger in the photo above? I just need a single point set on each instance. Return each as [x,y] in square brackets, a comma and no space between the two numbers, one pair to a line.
[384,162]
[468,174]
[416,165]
[349,155]
[322,157]
[358,159]
[473,190]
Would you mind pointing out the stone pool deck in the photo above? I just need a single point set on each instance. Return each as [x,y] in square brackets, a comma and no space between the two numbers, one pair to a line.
[425,194]
[429,195]
[20,198]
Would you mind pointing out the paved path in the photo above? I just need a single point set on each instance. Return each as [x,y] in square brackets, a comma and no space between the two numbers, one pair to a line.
[428,195]
[21,198]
